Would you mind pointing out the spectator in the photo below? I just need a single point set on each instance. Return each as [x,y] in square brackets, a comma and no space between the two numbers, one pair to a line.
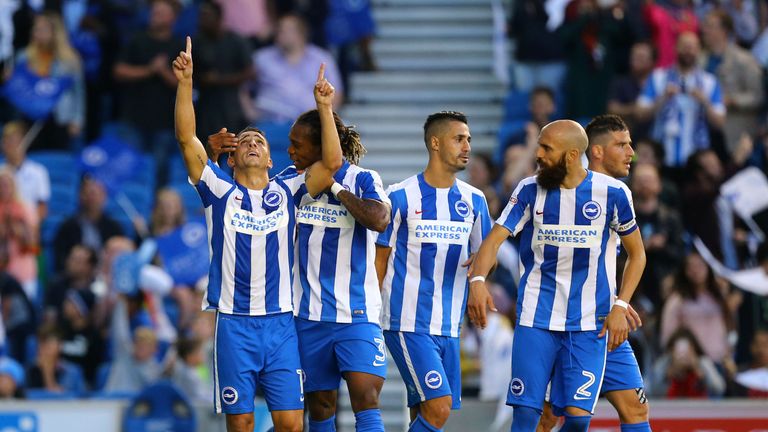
[49,54]
[18,235]
[651,152]
[592,34]
[32,181]
[81,342]
[668,20]
[624,90]
[519,161]
[749,379]
[696,302]
[287,72]
[185,371]
[49,371]
[539,53]
[148,84]
[79,273]
[684,371]
[542,108]
[251,19]
[661,228]
[738,73]
[134,363]
[685,100]
[18,317]
[222,63]
[482,175]
[90,226]
[168,213]
[11,379]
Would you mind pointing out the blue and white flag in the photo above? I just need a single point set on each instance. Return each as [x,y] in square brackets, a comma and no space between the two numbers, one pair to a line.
[111,161]
[33,95]
[184,252]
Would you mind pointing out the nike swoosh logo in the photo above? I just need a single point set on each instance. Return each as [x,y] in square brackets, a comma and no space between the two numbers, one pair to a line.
[539,213]
[238,199]
[419,211]
[577,397]
[377,364]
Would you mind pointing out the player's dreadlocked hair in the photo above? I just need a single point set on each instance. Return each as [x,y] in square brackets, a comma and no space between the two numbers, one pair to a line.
[351,147]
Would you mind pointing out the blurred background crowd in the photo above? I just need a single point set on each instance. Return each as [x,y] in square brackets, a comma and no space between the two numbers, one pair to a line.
[90,173]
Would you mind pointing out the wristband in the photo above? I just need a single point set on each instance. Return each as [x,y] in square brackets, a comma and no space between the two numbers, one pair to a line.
[621,303]
[477,279]
[336,188]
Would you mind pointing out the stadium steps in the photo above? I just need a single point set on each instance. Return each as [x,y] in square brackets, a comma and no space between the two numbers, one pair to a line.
[432,55]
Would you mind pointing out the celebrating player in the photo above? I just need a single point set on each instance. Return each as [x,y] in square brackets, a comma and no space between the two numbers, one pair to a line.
[251,226]
[567,314]
[421,260]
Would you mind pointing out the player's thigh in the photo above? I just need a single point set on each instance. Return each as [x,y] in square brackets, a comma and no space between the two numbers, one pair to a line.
[631,405]
[548,419]
[317,354]
[235,374]
[579,372]
[282,377]
[288,420]
[418,359]
[533,356]
[623,385]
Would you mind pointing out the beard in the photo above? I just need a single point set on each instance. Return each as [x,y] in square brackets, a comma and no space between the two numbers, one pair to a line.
[552,177]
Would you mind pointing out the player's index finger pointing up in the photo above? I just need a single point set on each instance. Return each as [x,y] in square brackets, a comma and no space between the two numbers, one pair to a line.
[189,45]
[321,72]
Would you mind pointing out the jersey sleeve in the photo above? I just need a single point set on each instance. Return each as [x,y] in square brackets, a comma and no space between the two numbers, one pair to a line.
[369,186]
[624,220]
[214,184]
[386,238]
[295,183]
[518,209]
[482,225]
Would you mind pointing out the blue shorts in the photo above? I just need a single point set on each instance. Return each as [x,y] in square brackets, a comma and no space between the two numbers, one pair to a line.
[574,360]
[329,349]
[429,365]
[253,351]
[621,370]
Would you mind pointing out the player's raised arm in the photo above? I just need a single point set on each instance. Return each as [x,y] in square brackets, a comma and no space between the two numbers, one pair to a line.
[192,149]
[320,174]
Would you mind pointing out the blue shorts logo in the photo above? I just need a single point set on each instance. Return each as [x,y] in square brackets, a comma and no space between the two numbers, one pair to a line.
[462,208]
[591,210]
[516,387]
[273,199]
[433,379]
[229,395]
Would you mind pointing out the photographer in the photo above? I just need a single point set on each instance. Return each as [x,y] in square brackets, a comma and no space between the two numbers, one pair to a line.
[685,372]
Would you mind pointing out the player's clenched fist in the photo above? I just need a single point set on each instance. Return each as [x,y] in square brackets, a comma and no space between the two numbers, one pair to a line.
[182,66]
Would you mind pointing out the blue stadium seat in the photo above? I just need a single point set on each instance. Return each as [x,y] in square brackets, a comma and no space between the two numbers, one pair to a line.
[42,394]
[193,207]
[516,105]
[177,171]
[160,406]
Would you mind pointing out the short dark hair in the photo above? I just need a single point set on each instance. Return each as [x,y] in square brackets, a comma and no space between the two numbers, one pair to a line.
[543,90]
[725,19]
[174,4]
[440,117]
[603,124]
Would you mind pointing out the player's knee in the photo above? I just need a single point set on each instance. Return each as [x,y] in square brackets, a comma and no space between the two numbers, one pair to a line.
[365,399]
[436,411]
[289,424]
[240,422]
[635,412]
[321,405]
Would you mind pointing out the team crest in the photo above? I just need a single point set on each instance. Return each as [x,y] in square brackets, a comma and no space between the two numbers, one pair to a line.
[433,379]
[591,210]
[273,199]
[229,395]
[462,208]
[516,387]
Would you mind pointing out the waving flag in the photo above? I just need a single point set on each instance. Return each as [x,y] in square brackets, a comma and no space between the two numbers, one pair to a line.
[111,161]
[184,252]
[33,95]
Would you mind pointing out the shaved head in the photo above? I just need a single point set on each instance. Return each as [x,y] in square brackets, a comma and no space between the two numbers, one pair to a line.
[565,135]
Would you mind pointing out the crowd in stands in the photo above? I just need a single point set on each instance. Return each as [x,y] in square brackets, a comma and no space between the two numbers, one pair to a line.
[688,77]
[89,304]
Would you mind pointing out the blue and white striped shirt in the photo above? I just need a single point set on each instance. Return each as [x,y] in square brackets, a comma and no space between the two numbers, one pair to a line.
[251,242]
[335,276]
[567,250]
[432,233]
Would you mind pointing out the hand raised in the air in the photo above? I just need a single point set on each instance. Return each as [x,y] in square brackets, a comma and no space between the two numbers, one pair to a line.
[324,91]
[182,66]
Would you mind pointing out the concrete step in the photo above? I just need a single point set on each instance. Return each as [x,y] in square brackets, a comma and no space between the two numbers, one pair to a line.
[447,95]
[434,31]
[420,13]
[392,79]
[433,62]
[401,47]
[374,129]
[378,145]
[399,112]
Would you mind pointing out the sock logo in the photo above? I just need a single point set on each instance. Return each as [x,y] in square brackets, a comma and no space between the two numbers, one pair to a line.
[516,387]
[433,379]
[229,395]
